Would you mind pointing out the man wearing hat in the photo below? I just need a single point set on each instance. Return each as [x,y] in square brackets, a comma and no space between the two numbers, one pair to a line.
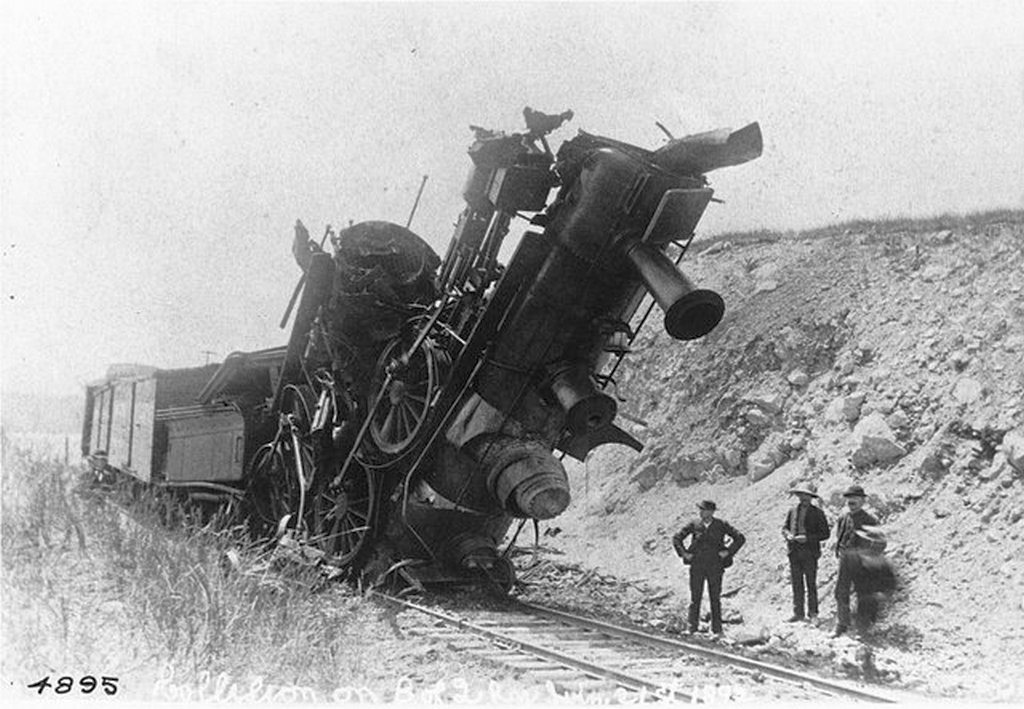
[708,556]
[848,544]
[100,472]
[804,529]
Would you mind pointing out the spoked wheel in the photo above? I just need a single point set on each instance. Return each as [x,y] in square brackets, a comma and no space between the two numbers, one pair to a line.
[275,485]
[273,491]
[298,402]
[297,450]
[342,517]
[403,408]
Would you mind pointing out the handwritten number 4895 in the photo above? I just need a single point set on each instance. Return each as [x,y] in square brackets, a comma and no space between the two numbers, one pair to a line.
[86,684]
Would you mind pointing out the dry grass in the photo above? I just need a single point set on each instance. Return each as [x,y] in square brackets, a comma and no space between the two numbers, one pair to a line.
[173,610]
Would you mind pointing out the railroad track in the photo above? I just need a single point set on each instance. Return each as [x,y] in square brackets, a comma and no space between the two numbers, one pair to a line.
[602,662]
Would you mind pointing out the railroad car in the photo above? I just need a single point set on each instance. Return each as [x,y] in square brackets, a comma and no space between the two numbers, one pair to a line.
[422,406]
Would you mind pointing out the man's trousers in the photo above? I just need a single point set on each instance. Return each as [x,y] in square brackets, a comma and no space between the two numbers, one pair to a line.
[803,574]
[712,575]
[844,581]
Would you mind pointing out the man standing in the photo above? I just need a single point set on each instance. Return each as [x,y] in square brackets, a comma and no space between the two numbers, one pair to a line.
[708,556]
[848,543]
[804,528]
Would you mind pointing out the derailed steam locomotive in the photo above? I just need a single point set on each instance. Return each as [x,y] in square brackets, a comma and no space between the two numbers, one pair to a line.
[421,406]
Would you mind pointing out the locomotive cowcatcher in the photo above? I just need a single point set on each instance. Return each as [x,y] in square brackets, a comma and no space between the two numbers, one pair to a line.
[420,407]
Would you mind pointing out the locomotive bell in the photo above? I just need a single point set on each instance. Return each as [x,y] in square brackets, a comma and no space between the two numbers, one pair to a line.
[586,408]
[690,312]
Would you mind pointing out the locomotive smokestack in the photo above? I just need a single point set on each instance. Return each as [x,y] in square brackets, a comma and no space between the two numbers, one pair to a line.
[690,312]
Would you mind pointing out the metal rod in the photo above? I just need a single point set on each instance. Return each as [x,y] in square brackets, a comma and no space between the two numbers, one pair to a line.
[417,202]
[557,656]
[729,658]
[298,286]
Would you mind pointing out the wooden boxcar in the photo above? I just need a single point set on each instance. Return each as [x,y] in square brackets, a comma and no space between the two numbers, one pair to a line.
[192,428]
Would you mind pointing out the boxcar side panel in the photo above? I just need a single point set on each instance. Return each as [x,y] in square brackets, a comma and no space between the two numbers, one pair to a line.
[120,422]
[119,450]
[100,414]
[142,429]
[206,448]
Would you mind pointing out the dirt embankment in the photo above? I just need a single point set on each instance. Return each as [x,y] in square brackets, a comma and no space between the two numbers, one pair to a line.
[890,356]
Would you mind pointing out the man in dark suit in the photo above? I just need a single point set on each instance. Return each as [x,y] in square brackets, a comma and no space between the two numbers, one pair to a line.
[848,545]
[804,529]
[708,556]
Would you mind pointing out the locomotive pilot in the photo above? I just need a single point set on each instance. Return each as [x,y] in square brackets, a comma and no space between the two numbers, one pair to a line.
[701,545]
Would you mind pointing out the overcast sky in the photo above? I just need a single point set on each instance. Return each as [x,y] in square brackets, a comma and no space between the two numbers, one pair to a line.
[155,156]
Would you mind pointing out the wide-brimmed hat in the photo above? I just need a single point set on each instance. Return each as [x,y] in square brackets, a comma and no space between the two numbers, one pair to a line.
[804,489]
[706,505]
[854,491]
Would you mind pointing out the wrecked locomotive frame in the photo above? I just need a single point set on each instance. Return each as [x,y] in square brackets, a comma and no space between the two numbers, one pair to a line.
[422,406]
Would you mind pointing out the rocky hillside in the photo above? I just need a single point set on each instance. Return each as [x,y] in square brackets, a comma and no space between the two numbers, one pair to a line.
[888,354]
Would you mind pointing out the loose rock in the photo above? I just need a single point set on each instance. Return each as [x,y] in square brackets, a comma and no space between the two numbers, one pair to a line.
[967,391]
[874,442]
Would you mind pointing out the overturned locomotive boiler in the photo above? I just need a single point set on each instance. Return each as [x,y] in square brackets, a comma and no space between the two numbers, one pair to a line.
[419,403]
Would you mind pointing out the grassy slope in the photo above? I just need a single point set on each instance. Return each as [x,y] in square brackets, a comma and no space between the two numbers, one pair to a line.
[179,612]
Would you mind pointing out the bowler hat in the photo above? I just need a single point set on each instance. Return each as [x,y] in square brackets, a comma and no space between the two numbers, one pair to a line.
[854,491]
[805,489]
[707,505]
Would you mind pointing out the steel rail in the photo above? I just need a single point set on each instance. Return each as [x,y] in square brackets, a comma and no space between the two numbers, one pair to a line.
[775,671]
[592,669]
[595,670]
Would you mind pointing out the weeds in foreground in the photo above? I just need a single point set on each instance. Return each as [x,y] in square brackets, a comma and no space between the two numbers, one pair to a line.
[89,590]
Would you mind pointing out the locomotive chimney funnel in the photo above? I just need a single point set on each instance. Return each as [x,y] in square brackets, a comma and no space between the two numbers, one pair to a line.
[690,312]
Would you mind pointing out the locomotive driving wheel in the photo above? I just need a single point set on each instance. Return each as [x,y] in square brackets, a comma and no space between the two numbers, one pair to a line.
[406,389]
[273,492]
[342,516]
[280,471]
[298,402]
[297,446]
